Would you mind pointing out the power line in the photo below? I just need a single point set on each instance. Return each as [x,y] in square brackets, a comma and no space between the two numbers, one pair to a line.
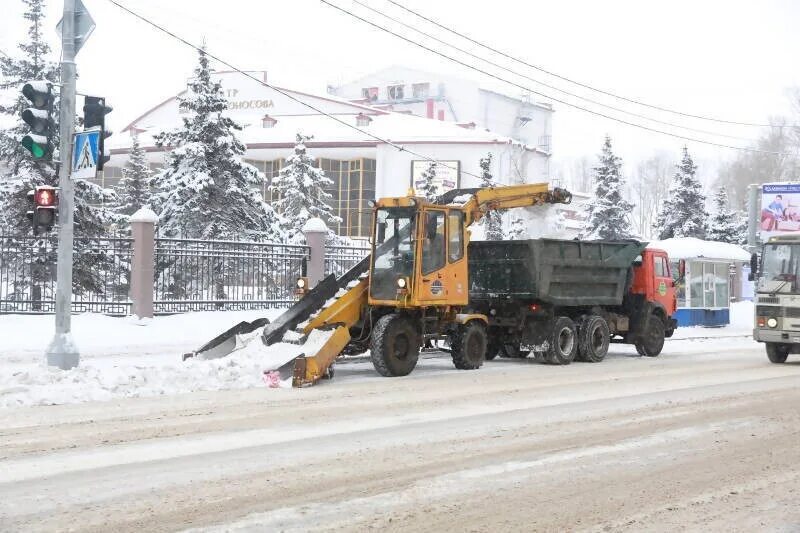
[580,84]
[515,73]
[622,121]
[287,95]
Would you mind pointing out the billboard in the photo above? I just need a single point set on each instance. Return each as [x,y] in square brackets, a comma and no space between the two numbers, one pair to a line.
[780,209]
[447,175]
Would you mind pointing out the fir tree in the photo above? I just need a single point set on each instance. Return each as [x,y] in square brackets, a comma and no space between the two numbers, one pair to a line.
[134,187]
[724,225]
[608,214]
[428,179]
[301,191]
[493,220]
[683,213]
[517,231]
[207,191]
[91,218]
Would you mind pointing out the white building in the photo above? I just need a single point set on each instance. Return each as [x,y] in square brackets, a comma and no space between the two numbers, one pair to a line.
[363,165]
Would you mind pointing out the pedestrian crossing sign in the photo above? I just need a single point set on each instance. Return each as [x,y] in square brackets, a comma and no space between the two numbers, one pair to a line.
[84,154]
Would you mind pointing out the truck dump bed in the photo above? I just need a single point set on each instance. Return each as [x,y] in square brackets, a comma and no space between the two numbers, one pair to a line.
[559,272]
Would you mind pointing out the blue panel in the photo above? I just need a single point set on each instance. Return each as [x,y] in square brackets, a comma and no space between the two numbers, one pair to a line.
[703,317]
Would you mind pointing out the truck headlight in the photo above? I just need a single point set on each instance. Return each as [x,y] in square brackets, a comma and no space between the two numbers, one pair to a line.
[772,322]
[401,283]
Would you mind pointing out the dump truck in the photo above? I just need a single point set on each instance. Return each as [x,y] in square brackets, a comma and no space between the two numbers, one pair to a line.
[414,289]
[777,310]
[568,299]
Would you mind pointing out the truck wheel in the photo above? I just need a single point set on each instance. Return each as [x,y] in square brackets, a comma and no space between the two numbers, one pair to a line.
[493,349]
[394,345]
[777,353]
[593,339]
[651,342]
[468,345]
[563,342]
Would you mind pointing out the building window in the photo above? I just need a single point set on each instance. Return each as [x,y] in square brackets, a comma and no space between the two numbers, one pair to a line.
[395,92]
[353,186]
[270,169]
[421,90]
[369,93]
[362,120]
[268,122]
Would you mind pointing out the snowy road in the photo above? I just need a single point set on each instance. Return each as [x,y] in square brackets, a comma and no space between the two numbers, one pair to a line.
[704,436]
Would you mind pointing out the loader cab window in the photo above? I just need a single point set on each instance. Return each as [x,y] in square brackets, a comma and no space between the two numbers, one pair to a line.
[455,236]
[433,245]
[393,251]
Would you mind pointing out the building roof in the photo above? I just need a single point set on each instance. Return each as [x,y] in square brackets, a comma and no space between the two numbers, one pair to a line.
[692,248]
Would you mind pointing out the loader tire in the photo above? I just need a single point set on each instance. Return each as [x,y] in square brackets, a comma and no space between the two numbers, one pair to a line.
[468,345]
[651,341]
[777,353]
[593,339]
[563,342]
[395,345]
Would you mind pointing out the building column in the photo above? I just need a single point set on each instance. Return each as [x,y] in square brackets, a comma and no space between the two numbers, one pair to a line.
[316,231]
[143,224]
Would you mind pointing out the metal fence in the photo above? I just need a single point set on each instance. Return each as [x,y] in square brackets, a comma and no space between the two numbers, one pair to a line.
[340,259]
[101,274]
[198,275]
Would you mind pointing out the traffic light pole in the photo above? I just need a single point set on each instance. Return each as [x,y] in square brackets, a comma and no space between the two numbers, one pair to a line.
[62,351]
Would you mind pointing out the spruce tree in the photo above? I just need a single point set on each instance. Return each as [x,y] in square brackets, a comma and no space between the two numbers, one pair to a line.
[134,191]
[301,191]
[493,220]
[724,225]
[684,212]
[207,191]
[91,216]
[428,178]
[608,214]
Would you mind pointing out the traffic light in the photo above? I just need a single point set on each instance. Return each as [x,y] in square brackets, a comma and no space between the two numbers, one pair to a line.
[94,114]
[42,213]
[40,119]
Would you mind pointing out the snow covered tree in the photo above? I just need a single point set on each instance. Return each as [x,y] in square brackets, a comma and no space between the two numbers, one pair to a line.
[134,187]
[493,220]
[428,188]
[608,214]
[725,224]
[207,191]
[517,231]
[91,217]
[684,212]
[301,191]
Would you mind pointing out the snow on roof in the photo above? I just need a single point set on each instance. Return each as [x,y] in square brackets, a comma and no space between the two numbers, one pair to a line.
[692,248]
[395,127]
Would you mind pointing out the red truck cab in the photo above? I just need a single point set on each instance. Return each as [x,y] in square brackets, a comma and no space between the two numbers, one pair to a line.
[652,279]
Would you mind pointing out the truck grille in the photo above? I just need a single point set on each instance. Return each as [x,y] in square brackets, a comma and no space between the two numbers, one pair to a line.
[768,299]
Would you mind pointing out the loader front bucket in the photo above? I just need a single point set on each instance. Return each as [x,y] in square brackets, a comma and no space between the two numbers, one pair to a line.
[227,341]
[322,348]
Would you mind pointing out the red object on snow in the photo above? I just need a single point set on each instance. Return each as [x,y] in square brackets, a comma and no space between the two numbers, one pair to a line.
[272,378]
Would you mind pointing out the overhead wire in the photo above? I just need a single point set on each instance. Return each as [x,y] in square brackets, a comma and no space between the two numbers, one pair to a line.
[539,82]
[539,93]
[285,93]
[575,82]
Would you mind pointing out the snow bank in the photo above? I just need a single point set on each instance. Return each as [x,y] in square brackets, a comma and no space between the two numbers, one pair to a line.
[692,248]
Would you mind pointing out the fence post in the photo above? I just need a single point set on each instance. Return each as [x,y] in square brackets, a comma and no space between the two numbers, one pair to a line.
[143,223]
[315,231]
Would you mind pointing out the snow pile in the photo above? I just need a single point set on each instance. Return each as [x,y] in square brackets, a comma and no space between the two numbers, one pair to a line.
[742,315]
[692,248]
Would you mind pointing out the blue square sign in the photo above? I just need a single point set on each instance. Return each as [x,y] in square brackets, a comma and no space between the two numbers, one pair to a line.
[84,154]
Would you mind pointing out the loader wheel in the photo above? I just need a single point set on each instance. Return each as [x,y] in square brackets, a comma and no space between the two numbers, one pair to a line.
[651,341]
[563,342]
[468,345]
[394,345]
[777,353]
[593,339]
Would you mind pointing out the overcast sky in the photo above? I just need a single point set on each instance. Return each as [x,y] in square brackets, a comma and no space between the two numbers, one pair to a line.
[729,59]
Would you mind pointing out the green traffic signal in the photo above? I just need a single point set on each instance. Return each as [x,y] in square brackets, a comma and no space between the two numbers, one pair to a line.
[37,145]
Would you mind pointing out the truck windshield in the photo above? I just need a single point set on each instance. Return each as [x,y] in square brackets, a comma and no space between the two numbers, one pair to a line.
[394,253]
[780,268]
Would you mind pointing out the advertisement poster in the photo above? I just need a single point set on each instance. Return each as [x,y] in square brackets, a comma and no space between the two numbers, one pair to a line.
[447,175]
[780,209]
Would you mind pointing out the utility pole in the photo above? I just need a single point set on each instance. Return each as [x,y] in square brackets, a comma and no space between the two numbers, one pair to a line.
[752,216]
[62,351]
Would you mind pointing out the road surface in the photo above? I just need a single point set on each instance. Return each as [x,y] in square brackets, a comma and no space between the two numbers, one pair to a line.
[704,437]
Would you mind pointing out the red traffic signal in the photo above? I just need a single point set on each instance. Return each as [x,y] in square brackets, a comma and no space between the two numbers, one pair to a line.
[43,211]
[45,196]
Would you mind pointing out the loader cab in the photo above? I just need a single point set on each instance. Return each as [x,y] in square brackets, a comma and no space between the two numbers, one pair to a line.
[419,254]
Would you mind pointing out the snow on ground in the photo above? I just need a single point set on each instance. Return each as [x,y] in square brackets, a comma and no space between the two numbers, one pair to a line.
[124,357]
